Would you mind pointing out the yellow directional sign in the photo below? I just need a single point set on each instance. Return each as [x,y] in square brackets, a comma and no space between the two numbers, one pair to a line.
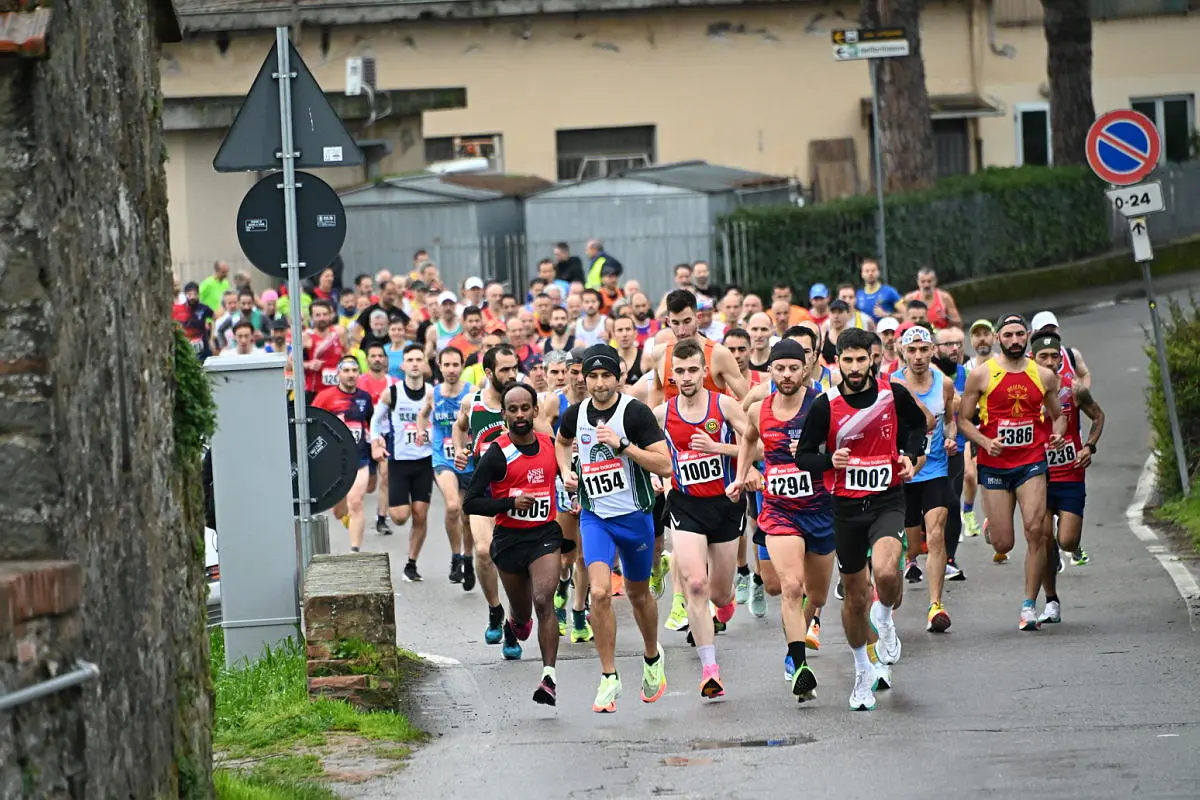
[865,43]
[860,35]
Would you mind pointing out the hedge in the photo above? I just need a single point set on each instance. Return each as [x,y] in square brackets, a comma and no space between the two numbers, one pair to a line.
[995,221]
[1181,335]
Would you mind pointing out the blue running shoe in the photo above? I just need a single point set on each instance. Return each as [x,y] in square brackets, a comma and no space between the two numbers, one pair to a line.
[512,648]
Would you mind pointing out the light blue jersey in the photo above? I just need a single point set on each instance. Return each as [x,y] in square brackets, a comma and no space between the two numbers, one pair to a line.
[445,412]
[936,461]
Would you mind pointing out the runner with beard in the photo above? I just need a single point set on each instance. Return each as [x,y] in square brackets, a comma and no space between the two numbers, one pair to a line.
[865,435]
[324,346]
[514,482]
[1015,399]
[983,338]
[795,517]
[628,349]
[560,337]
[353,407]
[643,324]
[721,374]
[375,381]
[196,320]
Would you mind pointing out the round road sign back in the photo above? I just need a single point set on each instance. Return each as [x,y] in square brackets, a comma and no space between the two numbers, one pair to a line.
[332,459]
[1123,147]
[320,225]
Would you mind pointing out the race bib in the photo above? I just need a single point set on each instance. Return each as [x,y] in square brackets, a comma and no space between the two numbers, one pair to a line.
[1011,433]
[604,478]
[928,443]
[538,512]
[197,346]
[329,377]
[448,449]
[1064,457]
[356,428]
[697,467]
[787,481]
[411,433]
[872,474]
[562,496]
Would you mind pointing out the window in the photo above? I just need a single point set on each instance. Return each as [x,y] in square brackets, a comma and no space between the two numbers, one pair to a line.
[453,148]
[951,147]
[599,152]
[1034,146]
[1175,117]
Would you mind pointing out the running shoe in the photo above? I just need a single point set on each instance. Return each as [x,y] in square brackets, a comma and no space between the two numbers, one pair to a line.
[954,572]
[456,569]
[804,684]
[618,585]
[522,629]
[987,537]
[912,572]
[468,581]
[813,638]
[789,669]
[658,575]
[1052,613]
[1061,564]
[495,628]
[410,572]
[345,519]
[839,591]
[583,634]
[1029,620]
[862,697]
[758,600]
[741,589]
[654,677]
[546,692]
[883,673]
[938,621]
[1080,558]
[560,594]
[888,646]
[607,694]
[381,526]
[710,683]
[512,648]
[970,523]
[677,620]
[724,613]
[999,558]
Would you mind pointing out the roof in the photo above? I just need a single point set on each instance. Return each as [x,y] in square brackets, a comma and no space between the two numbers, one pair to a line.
[700,176]
[506,185]
[443,188]
[948,106]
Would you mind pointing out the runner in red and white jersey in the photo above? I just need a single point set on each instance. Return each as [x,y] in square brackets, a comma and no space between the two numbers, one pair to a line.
[868,436]
[375,382]
[1066,493]
[748,586]
[323,348]
[514,482]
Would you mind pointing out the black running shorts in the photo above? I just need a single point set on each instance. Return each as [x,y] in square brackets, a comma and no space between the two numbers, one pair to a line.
[410,482]
[718,518]
[858,523]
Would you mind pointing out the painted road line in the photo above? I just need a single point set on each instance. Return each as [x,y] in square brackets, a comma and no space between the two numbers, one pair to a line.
[441,661]
[1185,582]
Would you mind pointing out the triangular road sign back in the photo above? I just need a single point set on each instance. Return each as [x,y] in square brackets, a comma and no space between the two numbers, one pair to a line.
[254,139]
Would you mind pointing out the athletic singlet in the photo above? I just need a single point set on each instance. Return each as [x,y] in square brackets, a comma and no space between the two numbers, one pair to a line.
[786,487]
[668,382]
[354,409]
[375,386]
[960,383]
[1010,411]
[587,338]
[444,336]
[936,461]
[870,433]
[609,485]
[395,356]
[649,331]
[404,424]
[329,352]
[935,309]
[693,472]
[441,433]
[563,403]
[484,424]
[1062,461]
[1067,368]
[528,475]
[633,374]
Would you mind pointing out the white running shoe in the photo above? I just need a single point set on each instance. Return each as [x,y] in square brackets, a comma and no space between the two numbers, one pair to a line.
[863,698]
[758,600]
[883,676]
[1051,613]
[888,646]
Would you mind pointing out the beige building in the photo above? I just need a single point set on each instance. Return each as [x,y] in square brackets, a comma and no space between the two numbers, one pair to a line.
[569,94]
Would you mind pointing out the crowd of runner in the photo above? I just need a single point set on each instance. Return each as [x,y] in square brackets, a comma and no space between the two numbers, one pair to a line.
[574,431]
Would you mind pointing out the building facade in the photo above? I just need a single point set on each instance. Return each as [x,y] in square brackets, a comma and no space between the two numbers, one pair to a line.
[583,93]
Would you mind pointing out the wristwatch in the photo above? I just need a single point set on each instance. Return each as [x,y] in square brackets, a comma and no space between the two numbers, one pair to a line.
[1092,446]
[623,446]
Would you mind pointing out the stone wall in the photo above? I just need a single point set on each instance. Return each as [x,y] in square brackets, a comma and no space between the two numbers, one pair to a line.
[350,630]
[87,468]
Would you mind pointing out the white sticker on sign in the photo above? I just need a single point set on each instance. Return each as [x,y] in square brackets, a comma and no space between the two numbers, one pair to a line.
[332,154]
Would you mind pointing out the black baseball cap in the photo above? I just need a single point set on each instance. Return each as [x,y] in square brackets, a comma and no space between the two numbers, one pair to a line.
[1011,319]
[786,348]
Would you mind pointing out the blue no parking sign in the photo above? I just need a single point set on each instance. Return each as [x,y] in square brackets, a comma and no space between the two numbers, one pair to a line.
[1123,147]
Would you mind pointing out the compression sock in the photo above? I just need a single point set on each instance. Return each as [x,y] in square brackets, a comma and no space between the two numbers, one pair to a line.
[579,619]
[1051,598]
[744,569]
[968,508]
[757,579]
[796,652]
[708,655]
[653,660]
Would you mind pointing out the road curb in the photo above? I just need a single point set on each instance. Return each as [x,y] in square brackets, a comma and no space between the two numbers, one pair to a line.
[1099,271]
[1185,582]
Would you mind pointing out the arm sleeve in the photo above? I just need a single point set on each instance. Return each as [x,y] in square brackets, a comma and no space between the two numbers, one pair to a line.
[641,427]
[809,449]
[569,422]
[479,500]
[910,437]
[377,418]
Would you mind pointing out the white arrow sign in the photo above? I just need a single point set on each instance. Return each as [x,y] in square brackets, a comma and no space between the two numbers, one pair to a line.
[1139,238]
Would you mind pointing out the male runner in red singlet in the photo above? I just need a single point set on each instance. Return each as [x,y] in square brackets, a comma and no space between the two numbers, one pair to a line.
[324,346]
[942,312]
[1015,398]
[375,382]
[353,407]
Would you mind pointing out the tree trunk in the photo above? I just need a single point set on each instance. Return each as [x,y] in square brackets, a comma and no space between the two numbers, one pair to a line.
[1068,26]
[905,127]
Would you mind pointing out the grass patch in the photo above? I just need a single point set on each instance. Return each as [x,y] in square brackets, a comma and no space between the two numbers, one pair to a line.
[1185,514]
[266,726]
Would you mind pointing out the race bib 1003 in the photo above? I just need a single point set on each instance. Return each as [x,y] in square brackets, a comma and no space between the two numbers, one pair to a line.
[697,467]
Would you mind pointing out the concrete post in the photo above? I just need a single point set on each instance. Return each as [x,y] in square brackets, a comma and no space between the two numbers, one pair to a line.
[252,491]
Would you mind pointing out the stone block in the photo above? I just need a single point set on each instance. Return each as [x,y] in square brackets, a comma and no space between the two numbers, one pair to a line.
[339,682]
[317,650]
[34,589]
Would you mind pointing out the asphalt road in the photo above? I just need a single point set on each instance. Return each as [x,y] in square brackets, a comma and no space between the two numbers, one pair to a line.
[1104,705]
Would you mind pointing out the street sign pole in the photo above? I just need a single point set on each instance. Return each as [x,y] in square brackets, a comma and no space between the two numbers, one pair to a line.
[284,75]
[880,218]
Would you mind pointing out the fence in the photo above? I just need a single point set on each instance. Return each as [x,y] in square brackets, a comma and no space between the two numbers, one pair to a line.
[1181,194]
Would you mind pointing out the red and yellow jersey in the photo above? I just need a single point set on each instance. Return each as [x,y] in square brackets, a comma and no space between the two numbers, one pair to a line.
[1010,411]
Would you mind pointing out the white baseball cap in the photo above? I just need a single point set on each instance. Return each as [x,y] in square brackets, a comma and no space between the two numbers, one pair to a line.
[473,283]
[1043,319]
[447,297]
[887,324]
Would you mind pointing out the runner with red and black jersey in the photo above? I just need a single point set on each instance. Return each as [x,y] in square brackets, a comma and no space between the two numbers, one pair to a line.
[868,437]
[353,407]
[375,381]
[796,517]
[514,482]
[1065,493]
[701,428]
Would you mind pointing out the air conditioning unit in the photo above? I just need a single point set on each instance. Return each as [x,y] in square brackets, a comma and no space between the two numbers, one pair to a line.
[360,73]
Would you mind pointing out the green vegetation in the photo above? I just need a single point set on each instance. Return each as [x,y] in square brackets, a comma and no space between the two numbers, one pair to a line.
[995,221]
[1181,332]
[271,736]
[195,412]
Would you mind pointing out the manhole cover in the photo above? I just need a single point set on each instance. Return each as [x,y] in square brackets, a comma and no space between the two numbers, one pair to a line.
[722,744]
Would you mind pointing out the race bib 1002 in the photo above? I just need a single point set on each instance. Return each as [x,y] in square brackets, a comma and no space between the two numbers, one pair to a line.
[869,474]
[604,478]
[787,481]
